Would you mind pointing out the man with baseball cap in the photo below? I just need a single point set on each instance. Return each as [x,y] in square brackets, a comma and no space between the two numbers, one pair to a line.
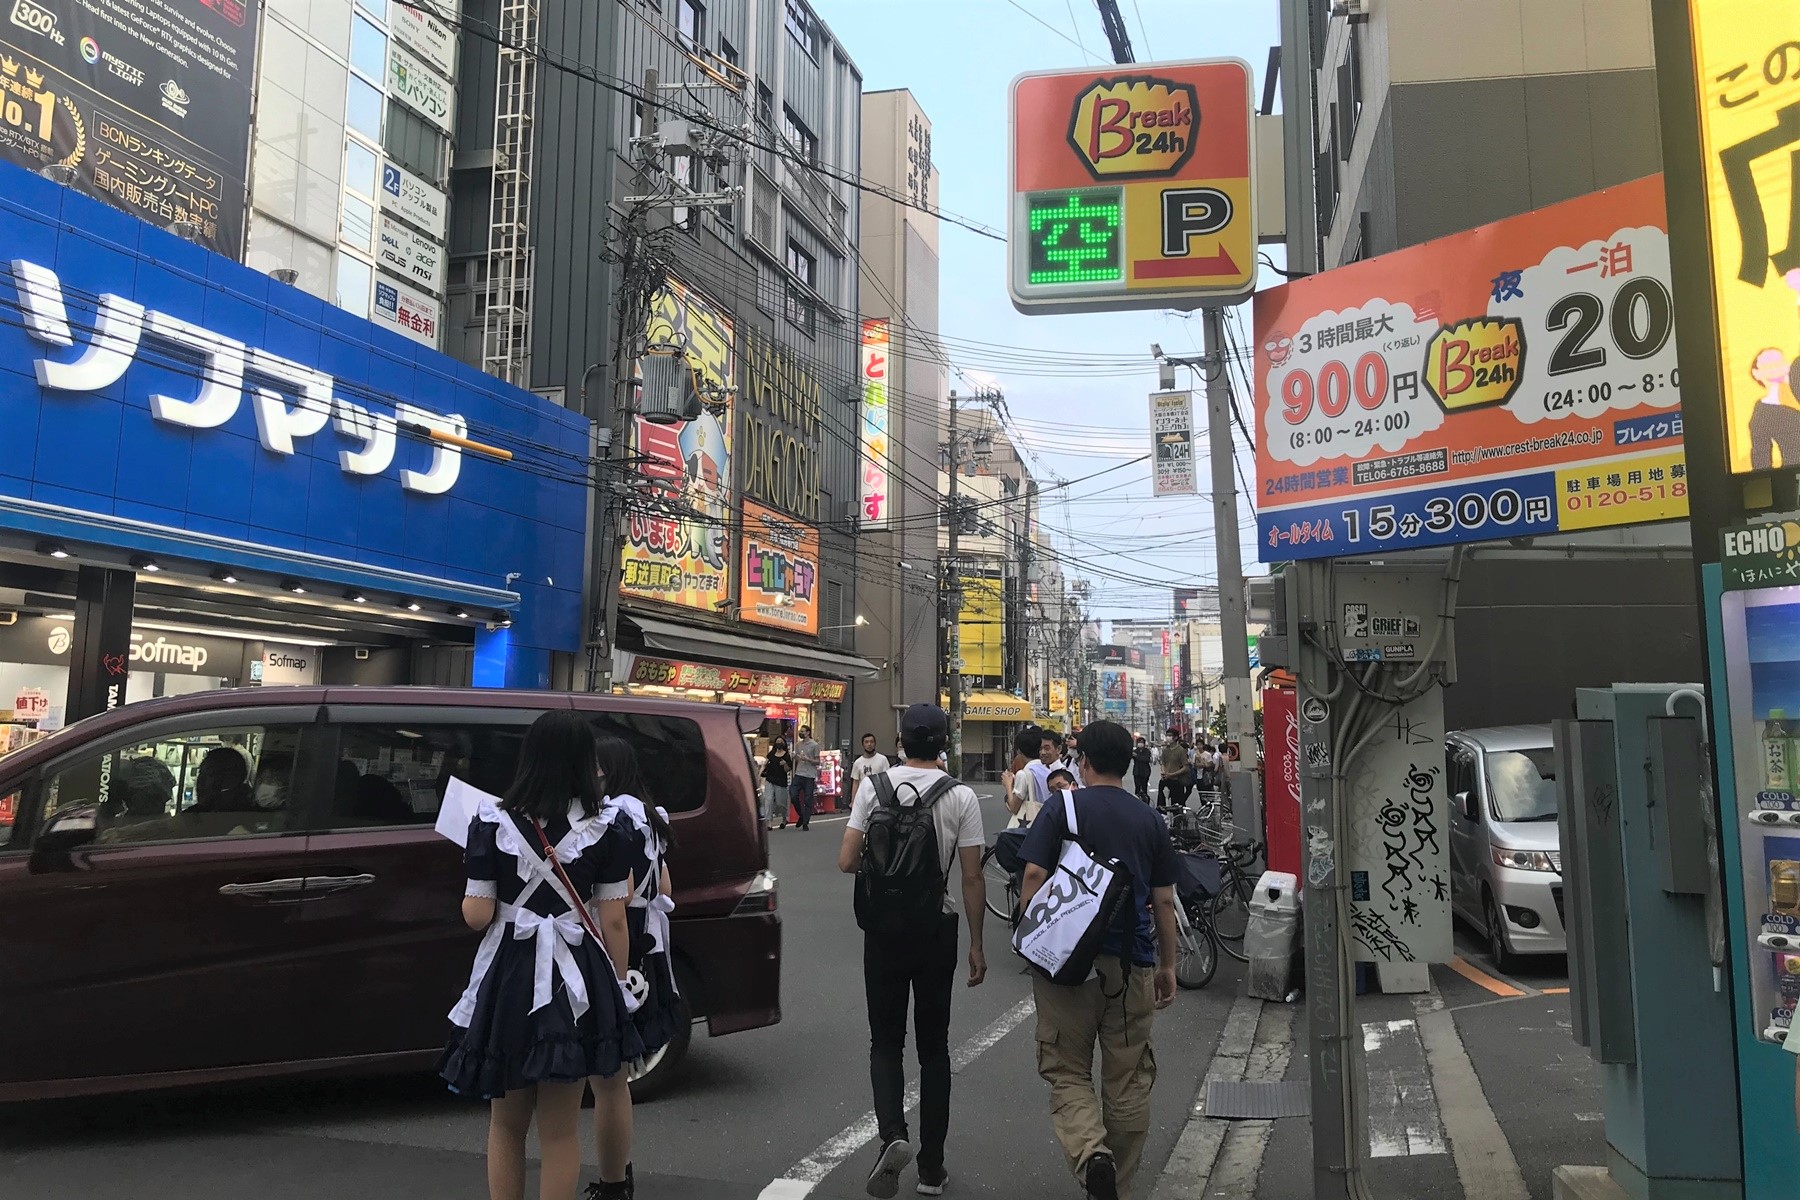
[917,956]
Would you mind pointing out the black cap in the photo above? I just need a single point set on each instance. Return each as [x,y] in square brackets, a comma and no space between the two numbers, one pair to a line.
[926,719]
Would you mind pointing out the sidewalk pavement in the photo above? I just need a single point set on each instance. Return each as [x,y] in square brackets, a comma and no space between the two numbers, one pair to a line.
[1475,1092]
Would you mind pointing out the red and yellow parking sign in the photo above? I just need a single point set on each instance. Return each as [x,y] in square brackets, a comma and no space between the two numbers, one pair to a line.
[1132,187]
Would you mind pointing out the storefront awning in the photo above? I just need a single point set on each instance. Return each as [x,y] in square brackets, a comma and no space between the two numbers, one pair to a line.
[996,706]
[746,651]
[1056,721]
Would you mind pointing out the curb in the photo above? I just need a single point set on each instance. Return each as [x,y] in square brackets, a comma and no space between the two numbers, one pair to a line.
[1189,1169]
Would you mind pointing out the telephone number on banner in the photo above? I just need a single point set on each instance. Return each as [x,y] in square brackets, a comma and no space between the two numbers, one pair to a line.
[1626,491]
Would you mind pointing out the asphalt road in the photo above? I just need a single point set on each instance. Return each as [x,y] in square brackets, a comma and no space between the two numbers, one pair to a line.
[753,1108]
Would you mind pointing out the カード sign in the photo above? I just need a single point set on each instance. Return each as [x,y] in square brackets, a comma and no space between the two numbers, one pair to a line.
[1513,380]
[1172,443]
[1747,62]
[1132,187]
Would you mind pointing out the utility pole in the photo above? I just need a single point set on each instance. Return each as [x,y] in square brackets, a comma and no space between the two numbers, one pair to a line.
[1334,1043]
[953,593]
[1234,629]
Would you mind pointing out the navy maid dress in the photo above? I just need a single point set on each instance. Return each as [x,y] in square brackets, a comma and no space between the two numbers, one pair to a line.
[543,1002]
[660,1017]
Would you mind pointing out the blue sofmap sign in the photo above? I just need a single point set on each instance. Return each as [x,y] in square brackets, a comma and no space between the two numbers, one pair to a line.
[159,397]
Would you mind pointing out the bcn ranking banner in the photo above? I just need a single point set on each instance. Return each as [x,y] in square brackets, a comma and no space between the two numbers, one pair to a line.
[147,100]
[1516,379]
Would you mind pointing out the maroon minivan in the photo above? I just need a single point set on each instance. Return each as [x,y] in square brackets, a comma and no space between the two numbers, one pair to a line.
[242,883]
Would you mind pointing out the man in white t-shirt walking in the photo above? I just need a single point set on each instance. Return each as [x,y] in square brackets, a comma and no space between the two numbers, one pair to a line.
[919,962]
[870,763]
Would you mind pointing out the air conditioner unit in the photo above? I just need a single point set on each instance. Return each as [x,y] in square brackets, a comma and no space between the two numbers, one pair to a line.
[1353,9]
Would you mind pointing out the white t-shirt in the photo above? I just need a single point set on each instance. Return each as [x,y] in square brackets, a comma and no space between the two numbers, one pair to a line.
[862,768]
[957,814]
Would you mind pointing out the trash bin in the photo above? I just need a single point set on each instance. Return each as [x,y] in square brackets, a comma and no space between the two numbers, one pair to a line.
[1271,937]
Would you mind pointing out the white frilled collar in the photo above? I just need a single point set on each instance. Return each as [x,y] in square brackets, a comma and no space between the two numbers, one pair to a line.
[633,811]
[584,831]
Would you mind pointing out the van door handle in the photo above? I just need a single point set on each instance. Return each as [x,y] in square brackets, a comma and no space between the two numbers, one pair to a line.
[268,887]
[337,883]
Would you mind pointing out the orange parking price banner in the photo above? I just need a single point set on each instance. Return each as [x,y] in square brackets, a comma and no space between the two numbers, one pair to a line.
[1131,187]
[1513,380]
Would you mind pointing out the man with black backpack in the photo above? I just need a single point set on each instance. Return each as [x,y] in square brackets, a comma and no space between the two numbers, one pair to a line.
[1114,1000]
[910,826]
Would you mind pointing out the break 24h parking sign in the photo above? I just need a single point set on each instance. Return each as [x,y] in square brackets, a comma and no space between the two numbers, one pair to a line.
[1132,187]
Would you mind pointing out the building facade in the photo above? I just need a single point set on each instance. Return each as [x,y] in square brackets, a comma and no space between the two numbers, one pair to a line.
[698,218]
[903,380]
[273,495]
[1486,111]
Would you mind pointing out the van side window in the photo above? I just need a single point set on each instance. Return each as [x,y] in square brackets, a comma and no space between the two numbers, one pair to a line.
[396,773]
[671,754]
[1461,776]
[9,815]
[204,783]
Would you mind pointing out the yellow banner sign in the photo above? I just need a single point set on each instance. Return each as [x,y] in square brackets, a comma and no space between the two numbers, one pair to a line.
[982,627]
[1748,66]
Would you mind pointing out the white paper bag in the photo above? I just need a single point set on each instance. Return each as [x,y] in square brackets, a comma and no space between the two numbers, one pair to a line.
[461,801]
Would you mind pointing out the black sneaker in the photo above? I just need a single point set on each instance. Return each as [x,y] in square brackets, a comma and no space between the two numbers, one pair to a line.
[884,1180]
[931,1183]
[1102,1179]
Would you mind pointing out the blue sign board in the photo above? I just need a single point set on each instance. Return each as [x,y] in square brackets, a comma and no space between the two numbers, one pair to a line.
[161,398]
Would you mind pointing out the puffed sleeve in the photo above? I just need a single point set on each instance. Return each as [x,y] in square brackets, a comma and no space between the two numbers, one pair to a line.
[481,859]
[614,858]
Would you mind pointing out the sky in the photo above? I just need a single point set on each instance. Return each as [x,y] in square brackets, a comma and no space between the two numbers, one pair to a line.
[1081,406]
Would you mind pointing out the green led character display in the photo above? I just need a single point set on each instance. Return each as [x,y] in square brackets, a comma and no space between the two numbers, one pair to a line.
[1076,237]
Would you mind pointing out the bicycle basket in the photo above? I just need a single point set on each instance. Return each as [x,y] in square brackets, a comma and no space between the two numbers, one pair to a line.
[1008,846]
[1197,876]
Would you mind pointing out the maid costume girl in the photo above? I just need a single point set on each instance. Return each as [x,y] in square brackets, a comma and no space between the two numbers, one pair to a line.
[658,1017]
[543,1002]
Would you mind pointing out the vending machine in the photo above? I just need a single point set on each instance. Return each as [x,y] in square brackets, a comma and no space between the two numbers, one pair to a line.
[1753,614]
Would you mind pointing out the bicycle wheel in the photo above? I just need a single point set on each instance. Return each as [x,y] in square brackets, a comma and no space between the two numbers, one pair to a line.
[1231,907]
[1196,949]
[1002,897]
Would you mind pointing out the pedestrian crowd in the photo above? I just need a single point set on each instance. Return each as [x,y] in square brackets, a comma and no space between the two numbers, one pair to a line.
[572,984]
[911,826]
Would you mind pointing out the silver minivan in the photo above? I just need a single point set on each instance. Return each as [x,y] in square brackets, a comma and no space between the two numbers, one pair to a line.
[1505,844]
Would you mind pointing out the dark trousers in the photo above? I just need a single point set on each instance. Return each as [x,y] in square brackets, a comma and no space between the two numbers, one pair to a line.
[1141,781]
[804,791]
[1178,786]
[925,967]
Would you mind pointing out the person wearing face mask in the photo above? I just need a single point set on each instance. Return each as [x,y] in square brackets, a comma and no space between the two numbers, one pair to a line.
[272,775]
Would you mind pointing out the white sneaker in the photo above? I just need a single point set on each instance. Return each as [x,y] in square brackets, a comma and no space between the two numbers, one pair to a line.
[884,1180]
[933,1187]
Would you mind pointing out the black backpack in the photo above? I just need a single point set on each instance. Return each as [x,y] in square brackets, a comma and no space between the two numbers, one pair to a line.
[900,884]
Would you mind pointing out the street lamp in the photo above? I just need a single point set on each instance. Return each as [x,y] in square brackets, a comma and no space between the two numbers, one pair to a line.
[860,621]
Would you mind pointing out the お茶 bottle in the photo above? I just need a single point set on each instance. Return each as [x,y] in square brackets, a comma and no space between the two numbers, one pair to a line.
[1777,752]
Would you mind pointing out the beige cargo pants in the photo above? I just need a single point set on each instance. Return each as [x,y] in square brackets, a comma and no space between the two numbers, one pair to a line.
[1115,1008]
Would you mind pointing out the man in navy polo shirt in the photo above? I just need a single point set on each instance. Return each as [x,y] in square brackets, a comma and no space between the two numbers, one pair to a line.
[1133,977]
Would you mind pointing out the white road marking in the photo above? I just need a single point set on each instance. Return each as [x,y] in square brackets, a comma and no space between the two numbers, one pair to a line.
[1403,1116]
[809,1172]
[1484,1159]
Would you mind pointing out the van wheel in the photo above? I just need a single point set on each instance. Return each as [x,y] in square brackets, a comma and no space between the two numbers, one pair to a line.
[1503,958]
[662,1070]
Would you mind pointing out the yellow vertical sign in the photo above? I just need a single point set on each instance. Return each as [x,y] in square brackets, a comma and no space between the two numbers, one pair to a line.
[1059,695]
[982,627]
[1747,62]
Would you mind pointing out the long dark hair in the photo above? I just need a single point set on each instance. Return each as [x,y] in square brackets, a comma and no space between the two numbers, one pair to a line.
[556,765]
[621,776]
